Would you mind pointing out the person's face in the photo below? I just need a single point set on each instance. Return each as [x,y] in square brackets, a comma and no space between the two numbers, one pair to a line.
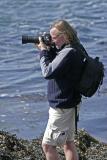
[57,37]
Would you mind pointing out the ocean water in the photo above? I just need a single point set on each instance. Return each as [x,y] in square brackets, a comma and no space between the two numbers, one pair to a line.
[23,103]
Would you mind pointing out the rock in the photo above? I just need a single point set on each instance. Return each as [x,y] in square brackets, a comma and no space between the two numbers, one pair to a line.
[89,148]
[12,148]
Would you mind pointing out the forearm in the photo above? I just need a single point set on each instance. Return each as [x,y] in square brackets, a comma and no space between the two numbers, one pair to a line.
[46,63]
[50,68]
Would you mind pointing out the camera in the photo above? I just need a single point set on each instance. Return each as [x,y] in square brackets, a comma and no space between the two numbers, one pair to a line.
[46,38]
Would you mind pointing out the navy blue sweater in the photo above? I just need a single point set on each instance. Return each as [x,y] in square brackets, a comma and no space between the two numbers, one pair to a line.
[62,70]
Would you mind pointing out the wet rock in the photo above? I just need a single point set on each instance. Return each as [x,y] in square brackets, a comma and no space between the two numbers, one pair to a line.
[12,148]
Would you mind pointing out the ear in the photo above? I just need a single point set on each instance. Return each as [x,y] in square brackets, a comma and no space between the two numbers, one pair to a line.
[66,38]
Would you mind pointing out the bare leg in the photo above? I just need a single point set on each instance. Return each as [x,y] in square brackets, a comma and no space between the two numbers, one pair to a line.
[70,151]
[50,152]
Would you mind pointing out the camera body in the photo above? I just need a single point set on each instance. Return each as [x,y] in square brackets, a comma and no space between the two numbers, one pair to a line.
[46,38]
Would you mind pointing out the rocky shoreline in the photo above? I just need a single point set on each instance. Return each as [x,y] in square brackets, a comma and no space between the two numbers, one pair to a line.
[12,148]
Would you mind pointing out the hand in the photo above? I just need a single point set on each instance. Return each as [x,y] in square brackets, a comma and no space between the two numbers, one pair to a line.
[41,45]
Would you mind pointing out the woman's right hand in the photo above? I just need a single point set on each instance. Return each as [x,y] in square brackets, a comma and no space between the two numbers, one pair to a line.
[41,46]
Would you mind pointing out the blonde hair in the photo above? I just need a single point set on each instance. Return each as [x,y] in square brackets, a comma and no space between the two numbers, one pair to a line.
[64,27]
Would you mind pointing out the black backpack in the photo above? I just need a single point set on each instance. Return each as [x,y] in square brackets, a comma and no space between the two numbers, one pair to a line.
[92,75]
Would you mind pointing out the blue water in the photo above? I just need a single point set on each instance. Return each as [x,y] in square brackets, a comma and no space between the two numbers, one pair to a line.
[23,103]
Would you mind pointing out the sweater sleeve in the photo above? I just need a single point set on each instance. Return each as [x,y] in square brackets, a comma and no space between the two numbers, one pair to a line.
[50,69]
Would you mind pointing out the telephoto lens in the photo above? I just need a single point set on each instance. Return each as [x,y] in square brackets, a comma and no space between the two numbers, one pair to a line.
[29,39]
[46,38]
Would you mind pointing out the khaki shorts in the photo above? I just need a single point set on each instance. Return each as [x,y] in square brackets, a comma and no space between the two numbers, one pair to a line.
[60,127]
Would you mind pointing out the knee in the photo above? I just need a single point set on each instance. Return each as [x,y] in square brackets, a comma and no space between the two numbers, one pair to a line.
[69,146]
[47,148]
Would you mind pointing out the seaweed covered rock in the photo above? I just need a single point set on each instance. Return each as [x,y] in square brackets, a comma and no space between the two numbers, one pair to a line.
[12,148]
[89,148]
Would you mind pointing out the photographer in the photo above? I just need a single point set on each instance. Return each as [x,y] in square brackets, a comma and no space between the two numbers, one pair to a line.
[62,67]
